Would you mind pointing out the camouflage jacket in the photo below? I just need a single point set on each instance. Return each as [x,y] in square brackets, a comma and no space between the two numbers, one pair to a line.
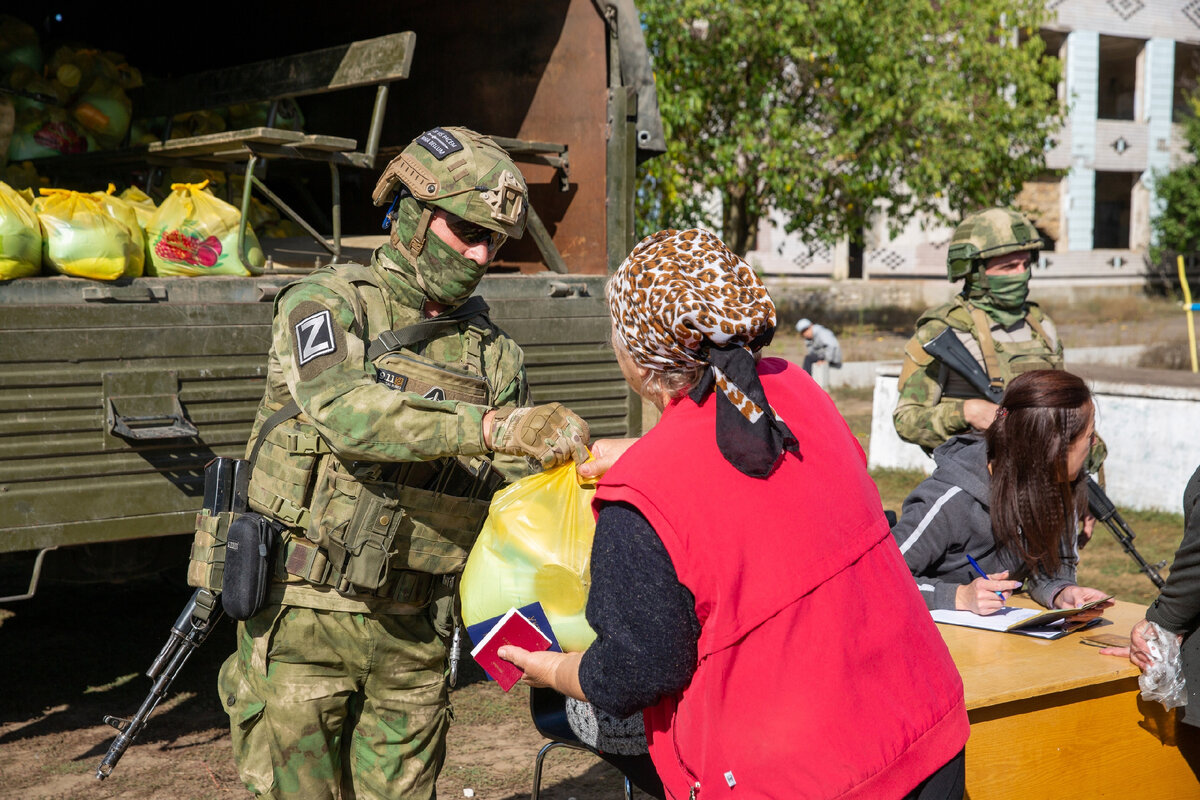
[930,407]
[319,358]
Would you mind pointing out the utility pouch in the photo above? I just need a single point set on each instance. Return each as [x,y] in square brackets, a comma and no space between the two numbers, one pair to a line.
[249,548]
[361,550]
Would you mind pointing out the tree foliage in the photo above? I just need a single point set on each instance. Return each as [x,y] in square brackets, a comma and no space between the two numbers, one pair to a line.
[1177,227]
[829,110]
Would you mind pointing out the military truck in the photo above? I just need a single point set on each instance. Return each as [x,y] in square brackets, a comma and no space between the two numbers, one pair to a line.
[114,395]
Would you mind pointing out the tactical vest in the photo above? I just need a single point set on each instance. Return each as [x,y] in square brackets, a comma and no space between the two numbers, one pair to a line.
[1003,354]
[382,529]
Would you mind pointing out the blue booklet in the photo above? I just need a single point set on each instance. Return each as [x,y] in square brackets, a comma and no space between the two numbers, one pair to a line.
[533,612]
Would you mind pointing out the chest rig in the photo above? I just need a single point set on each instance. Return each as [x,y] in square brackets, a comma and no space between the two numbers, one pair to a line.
[400,531]
[1003,356]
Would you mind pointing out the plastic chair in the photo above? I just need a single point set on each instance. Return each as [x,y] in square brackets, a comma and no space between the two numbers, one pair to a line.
[549,711]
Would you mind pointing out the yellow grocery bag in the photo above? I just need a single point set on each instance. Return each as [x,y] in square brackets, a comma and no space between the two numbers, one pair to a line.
[80,237]
[195,233]
[127,215]
[536,545]
[20,236]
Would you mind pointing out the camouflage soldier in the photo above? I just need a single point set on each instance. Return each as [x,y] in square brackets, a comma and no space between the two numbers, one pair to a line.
[1005,332]
[394,408]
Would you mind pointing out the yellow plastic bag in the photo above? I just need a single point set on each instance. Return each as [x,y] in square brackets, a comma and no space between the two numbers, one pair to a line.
[536,544]
[127,215]
[194,233]
[81,237]
[20,236]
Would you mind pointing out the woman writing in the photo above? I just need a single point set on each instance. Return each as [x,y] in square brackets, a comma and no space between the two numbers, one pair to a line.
[740,563]
[1014,499]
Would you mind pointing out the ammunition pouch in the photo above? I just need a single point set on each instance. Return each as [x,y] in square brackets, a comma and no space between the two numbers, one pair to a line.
[388,525]
[206,569]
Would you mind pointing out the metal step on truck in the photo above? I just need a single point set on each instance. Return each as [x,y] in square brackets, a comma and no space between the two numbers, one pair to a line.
[115,394]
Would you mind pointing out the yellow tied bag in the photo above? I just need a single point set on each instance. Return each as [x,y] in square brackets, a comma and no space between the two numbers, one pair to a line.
[195,233]
[124,212]
[536,544]
[81,237]
[20,236]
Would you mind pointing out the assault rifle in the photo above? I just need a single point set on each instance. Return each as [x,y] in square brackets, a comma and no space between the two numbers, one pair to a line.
[226,482]
[947,348]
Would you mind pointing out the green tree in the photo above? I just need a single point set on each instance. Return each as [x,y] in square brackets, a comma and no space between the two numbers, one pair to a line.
[1176,228]
[831,110]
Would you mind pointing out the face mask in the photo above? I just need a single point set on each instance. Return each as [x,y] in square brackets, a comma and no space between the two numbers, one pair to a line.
[441,272]
[444,275]
[1004,298]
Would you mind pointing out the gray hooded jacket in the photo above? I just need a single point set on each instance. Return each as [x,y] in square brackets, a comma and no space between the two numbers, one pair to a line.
[946,517]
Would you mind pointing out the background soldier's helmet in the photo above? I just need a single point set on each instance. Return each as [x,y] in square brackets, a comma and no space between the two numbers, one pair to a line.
[463,172]
[983,235]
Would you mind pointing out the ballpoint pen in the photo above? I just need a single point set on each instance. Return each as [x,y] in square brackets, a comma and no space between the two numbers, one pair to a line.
[982,574]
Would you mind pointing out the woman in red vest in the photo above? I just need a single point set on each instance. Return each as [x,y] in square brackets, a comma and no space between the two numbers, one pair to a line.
[747,594]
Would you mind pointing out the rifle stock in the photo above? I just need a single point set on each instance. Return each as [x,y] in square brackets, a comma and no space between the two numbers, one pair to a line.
[947,348]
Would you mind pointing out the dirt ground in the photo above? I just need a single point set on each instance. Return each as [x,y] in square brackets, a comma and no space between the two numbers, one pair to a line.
[75,653]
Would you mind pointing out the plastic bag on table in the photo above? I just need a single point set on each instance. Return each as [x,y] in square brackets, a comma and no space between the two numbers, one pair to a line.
[20,236]
[1163,680]
[536,545]
[81,237]
[195,233]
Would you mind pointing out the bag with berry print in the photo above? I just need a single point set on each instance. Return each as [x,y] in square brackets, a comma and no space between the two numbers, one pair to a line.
[194,233]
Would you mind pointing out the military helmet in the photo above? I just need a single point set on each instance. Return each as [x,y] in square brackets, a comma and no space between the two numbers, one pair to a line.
[462,172]
[985,234]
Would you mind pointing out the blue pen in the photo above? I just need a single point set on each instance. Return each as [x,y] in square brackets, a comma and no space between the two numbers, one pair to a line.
[982,574]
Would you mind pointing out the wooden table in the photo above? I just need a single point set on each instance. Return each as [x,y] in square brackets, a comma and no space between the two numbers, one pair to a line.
[1055,719]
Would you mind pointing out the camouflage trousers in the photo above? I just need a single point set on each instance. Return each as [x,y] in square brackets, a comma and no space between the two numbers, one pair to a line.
[334,704]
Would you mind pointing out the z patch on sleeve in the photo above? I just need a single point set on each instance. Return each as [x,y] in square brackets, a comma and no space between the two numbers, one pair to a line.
[317,342]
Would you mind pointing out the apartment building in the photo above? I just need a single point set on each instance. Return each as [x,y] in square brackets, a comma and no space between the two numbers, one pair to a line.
[1128,66]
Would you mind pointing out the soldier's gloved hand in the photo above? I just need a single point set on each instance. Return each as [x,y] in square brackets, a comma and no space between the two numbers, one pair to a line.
[550,434]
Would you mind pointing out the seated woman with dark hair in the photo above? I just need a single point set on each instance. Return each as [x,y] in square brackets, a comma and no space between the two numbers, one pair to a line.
[1014,498]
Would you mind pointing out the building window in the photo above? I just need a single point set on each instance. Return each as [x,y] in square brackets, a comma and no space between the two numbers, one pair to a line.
[1187,72]
[1114,197]
[1118,77]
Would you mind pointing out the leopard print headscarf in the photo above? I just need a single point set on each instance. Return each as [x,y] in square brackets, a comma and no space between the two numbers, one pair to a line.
[683,299]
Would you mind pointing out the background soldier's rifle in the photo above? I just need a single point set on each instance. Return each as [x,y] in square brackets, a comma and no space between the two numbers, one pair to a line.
[947,348]
[225,486]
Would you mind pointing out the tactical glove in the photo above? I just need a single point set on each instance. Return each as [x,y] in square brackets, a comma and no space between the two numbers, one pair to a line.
[550,434]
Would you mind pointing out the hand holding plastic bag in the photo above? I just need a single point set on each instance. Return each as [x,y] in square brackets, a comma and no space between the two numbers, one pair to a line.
[536,544]
[1163,679]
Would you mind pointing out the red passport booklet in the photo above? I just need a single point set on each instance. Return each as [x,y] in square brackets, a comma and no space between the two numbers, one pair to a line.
[513,628]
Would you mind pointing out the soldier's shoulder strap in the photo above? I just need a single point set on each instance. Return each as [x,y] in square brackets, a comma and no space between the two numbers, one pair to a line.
[390,341]
[1036,317]
[954,314]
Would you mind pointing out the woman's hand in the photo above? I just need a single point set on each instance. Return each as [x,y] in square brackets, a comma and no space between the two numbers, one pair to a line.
[985,595]
[1076,596]
[547,669]
[605,453]
[1085,530]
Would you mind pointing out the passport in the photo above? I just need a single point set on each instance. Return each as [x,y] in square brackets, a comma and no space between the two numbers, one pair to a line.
[525,627]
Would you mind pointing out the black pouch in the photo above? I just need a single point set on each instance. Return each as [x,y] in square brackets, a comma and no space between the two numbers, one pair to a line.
[249,549]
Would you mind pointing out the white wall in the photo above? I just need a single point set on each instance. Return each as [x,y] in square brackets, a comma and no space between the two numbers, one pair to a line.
[1150,431]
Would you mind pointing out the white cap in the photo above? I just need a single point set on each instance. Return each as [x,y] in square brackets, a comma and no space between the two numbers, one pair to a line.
[803,325]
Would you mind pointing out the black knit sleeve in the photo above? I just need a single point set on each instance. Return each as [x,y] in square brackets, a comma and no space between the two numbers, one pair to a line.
[644,618]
